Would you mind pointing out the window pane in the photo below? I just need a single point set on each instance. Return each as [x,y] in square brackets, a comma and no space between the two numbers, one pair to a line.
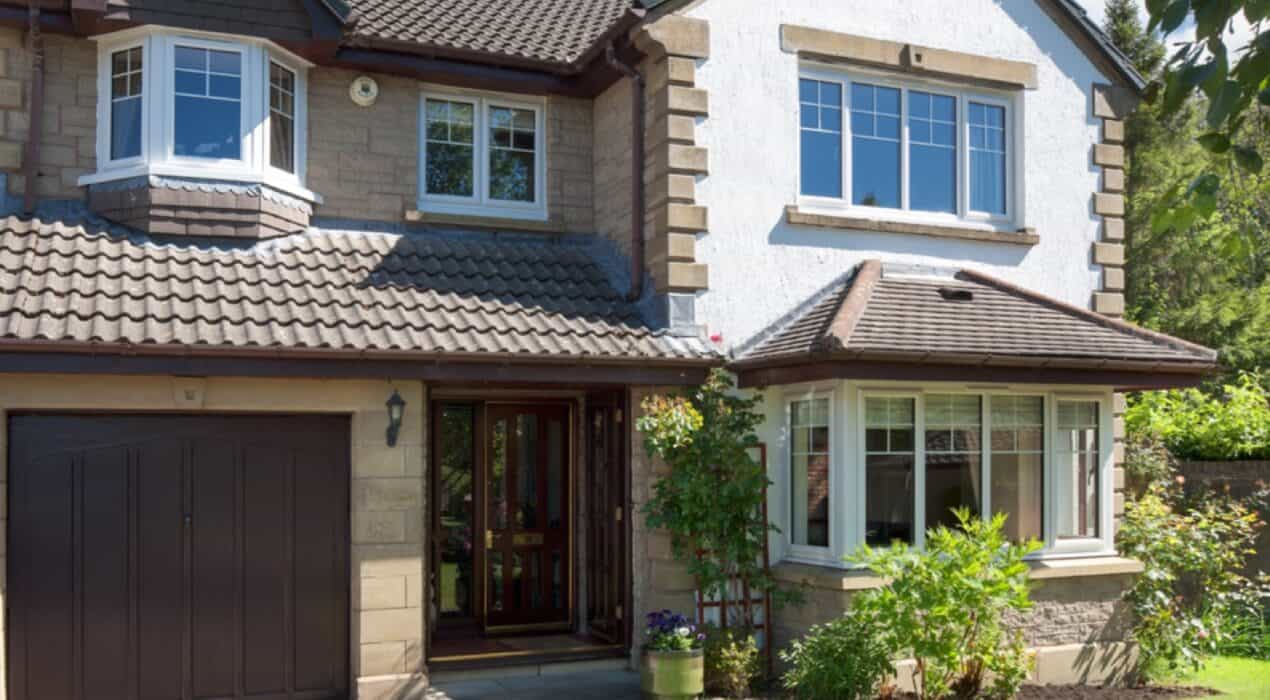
[954,470]
[208,118]
[207,128]
[281,118]
[987,158]
[889,470]
[1076,478]
[1018,456]
[875,151]
[809,472]
[449,154]
[932,182]
[820,107]
[125,128]
[512,169]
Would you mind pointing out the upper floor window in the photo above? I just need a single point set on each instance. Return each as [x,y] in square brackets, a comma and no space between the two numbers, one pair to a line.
[200,106]
[482,155]
[926,151]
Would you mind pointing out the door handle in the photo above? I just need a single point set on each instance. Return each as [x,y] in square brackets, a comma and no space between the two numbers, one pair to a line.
[489,539]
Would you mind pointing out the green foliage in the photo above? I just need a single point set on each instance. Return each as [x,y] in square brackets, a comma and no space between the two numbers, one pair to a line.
[1191,589]
[945,607]
[711,501]
[1246,633]
[1234,424]
[1146,461]
[846,659]
[732,662]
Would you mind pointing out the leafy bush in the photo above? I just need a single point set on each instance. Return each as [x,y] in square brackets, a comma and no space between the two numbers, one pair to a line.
[732,662]
[1193,550]
[1146,461]
[1246,633]
[1199,426]
[848,659]
[945,605]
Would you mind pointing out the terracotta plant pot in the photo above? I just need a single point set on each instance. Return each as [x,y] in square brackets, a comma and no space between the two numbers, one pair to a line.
[667,675]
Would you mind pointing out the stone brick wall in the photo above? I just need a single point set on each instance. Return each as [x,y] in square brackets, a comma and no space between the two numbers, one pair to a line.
[364,161]
[68,144]
[611,164]
[389,568]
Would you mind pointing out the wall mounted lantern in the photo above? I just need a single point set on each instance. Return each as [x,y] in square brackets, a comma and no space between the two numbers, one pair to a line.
[396,409]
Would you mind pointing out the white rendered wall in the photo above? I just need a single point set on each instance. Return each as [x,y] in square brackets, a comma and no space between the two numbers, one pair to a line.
[761,267]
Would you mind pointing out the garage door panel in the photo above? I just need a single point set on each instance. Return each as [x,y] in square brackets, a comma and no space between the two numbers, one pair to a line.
[266,476]
[317,573]
[166,557]
[158,561]
[105,598]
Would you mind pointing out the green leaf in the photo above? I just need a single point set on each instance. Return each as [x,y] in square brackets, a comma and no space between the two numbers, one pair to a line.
[1214,142]
[1174,15]
[1248,159]
[1223,103]
[1256,10]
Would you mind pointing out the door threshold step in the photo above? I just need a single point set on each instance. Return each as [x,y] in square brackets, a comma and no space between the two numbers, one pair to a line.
[485,669]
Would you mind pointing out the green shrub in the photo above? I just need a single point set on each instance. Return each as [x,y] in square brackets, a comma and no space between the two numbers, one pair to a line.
[846,659]
[944,606]
[1191,592]
[1199,426]
[1246,633]
[732,662]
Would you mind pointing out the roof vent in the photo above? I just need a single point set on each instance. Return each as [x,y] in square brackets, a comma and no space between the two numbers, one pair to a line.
[952,294]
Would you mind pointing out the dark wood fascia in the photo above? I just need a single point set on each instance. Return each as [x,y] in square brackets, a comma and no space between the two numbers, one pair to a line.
[437,371]
[459,73]
[819,370]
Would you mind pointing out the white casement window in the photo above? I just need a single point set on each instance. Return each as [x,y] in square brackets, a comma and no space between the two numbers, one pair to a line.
[482,155]
[201,106]
[910,150]
[888,464]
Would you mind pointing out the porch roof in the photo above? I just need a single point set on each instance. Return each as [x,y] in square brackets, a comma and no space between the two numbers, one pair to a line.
[395,294]
[963,318]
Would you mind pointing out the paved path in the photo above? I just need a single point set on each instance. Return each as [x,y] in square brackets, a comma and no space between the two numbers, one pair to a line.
[588,685]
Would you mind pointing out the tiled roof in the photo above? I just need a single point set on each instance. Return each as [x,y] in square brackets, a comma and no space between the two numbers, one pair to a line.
[902,313]
[355,291]
[540,31]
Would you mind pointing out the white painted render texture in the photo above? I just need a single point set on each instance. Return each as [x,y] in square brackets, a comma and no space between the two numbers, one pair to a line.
[762,267]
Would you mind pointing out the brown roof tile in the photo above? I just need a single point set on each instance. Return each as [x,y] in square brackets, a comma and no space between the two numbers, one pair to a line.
[85,281]
[538,31]
[966,314]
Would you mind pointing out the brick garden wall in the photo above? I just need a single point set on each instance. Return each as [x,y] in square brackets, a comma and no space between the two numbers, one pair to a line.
[1242,479]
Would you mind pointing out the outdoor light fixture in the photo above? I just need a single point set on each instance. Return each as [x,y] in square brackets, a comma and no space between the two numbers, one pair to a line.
[396,409]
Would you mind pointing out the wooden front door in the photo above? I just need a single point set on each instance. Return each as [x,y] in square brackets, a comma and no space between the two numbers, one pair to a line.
[606,508]
[528,538]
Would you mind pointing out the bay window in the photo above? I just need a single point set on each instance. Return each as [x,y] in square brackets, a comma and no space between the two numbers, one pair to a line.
[1040,458]
[917,149]
[482,155]
[201,106]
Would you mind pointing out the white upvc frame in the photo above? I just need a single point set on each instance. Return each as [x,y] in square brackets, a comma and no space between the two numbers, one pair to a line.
[158,111]
[832,553]
[848,515]
[964,216]
[480,203]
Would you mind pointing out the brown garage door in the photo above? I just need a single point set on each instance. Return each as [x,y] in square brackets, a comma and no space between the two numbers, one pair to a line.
[166,557]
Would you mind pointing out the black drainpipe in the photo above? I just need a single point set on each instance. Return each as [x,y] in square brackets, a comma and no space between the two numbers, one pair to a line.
[35,127]
[637,169]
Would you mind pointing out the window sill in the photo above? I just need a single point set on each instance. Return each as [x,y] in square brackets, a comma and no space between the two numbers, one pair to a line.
[797,216]
[503,223]
[833,578]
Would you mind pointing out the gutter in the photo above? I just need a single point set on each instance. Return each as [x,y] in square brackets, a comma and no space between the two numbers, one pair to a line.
[35,128]
[638,194]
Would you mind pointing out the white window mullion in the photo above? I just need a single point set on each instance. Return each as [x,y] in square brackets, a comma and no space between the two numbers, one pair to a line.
[904,151]
[919,471]
[985,447]
[847,135]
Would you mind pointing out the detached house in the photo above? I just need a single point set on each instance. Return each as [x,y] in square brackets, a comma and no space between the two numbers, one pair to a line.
[324,323]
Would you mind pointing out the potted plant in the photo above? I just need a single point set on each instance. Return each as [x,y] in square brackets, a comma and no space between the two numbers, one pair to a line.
[673,664]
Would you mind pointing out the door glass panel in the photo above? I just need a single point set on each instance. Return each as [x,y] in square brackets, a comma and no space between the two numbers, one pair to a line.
[455,506]
[555,474]
[495,580]
[498,475]
[534,579]
[556,578]
[518,580]
[527,471]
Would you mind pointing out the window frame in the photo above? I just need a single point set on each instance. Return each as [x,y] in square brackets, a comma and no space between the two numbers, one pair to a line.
[159,114]
[831,553]
[480,203]
[848,470]
[964,94]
